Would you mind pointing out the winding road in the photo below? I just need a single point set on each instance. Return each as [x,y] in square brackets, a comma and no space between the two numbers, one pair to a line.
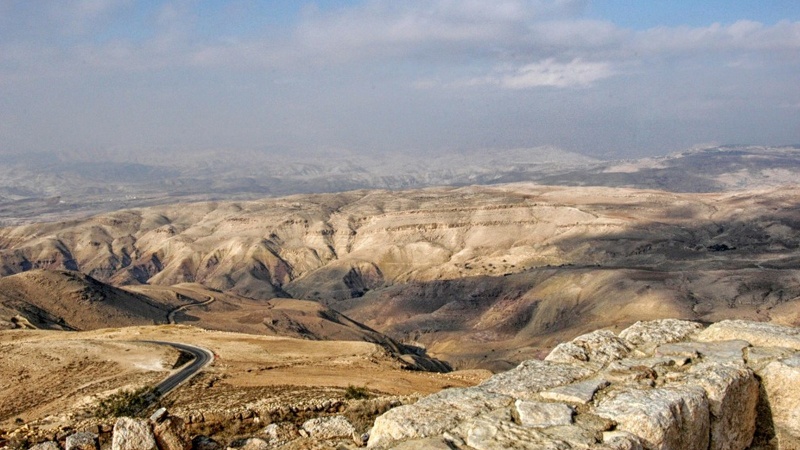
[171,314]
[202,358]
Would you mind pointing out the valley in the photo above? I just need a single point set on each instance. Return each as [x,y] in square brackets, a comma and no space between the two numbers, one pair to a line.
[401,292]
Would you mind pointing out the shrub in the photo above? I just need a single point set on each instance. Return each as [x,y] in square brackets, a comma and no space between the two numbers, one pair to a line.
[125,403]
[356,393]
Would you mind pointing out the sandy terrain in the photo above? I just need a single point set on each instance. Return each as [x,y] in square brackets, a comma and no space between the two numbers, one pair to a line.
[52,375]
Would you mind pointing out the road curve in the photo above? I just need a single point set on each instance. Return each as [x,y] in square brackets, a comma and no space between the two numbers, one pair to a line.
[202,358]
[171,314]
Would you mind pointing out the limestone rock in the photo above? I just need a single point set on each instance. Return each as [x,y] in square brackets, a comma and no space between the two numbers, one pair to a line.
[49,445]
[732,397]
[723,352]
[542,415]
[657,332]
[279,433]
[579,393]
[534,376]
[171,434]
[133,434]
[781,380]
[759,357]
[329,427]
[669,418]
[600,347]
[81,441]
[490,434]
[434,414]
[760,334]
[567,352]
[620,440]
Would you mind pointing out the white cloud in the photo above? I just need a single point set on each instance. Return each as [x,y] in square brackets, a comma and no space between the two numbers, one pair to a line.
[744,35]
[548,73]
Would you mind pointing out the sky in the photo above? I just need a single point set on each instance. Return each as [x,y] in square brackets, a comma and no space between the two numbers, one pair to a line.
[607,79]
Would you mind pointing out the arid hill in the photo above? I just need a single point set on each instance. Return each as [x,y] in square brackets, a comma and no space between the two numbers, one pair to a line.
[478,275]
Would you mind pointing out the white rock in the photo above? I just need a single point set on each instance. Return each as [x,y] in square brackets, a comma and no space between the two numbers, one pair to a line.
[781,380]
[329,427]
[620,440]
[722,352]
[732,397]
[579,393]
[669,418]
[567,352]
[81,441]
[657,332]
[434,414]
[533,376]
[279,433]
[760,334]
[542,414]
[600,347]
[490,434]
[133,434]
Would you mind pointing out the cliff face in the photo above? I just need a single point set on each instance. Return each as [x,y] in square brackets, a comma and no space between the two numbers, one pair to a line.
[664,384]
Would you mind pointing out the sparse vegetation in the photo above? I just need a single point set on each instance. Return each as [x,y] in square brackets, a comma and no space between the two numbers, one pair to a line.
[356,393]
[125,403]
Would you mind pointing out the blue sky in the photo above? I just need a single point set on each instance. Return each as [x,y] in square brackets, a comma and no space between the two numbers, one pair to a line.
[602,78]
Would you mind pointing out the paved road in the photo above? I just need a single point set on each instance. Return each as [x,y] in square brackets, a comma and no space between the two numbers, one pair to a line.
[171,315]
[202,358]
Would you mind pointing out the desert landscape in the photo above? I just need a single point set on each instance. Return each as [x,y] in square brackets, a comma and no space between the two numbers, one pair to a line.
[307,299]
[415,225]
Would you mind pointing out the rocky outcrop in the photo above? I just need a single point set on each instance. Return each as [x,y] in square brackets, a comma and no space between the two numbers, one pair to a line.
[664,384]
[328,427]
[81,441]
[133,434]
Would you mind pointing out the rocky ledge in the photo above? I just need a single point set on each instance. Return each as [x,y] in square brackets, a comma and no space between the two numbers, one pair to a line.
[665,384]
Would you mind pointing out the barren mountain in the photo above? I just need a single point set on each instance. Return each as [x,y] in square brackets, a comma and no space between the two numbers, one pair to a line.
[487,275]
[45,187]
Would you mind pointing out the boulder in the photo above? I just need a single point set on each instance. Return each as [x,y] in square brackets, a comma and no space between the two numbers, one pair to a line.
[434,414]
[329,427]
[725,352]
[279,433]
[133,434]
[533,376]
[171,434]
[669,418]
[759,334]
[732,393]
[579,393]
[81,441]
[781,380]
[491,434]
[657,332]
[600,347]
[620,440]
[543,415]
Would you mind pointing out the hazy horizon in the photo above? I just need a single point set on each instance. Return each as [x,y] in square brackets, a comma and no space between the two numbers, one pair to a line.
[606,79]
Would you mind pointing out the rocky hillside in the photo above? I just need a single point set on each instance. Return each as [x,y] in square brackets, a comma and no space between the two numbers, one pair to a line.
[478,275]
[666,384]
[657,385]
